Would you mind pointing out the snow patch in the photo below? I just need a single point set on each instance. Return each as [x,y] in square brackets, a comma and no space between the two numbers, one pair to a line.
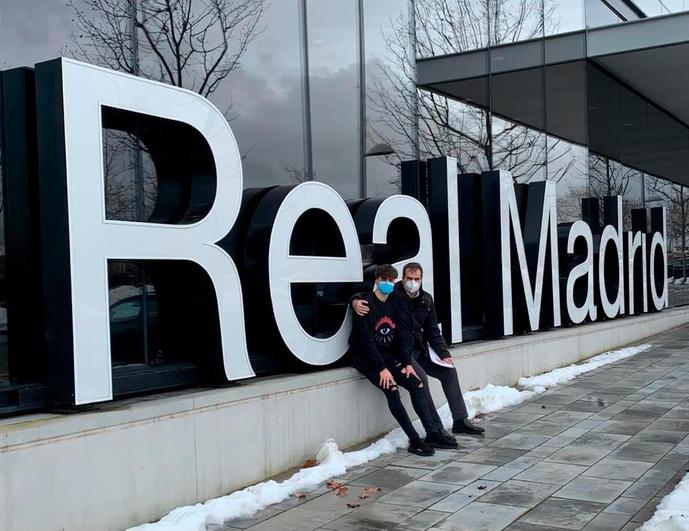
[333,462]
[672,513]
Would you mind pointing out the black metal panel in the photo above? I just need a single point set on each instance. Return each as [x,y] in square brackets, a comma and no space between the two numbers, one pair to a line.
[57,288]
[22,232]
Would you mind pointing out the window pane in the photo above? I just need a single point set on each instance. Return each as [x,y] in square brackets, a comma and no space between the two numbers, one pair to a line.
[263,99]
[390,93]
[454,129]
[515,20]
[333,72]
[599,14]
[125,283]
[35,31]
[568,168]
[519,150]
[444,27]
[562,16]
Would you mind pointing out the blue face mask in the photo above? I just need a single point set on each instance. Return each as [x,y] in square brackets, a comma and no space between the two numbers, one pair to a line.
[386,287]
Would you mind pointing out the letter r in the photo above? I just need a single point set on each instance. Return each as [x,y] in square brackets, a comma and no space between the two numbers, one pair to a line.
[78,240]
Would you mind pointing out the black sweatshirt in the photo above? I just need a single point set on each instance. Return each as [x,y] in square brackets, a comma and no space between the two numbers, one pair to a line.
[382,336]
[421,319]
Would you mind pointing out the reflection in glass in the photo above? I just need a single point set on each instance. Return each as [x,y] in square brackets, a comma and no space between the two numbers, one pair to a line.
[390,93]
[675,199]
[451,128]
[562,16]
[34,31]
[131,186]
[446,26]
[263,99]
[134,316]
[567,166]
[599,13]
[519,150]
[333,76]
[515,20]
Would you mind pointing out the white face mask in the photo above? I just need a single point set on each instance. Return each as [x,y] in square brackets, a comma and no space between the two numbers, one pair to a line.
[412,286]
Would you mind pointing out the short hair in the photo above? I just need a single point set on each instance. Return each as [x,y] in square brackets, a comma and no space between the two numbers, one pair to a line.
[412,266]
[386,270]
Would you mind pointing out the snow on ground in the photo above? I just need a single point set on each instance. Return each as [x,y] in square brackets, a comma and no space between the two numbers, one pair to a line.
[672,513]
[333,462]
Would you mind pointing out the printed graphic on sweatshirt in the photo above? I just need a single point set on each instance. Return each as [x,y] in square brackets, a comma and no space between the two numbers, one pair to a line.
[384,331]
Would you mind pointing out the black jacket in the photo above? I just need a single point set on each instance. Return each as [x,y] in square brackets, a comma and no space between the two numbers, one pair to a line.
[425,329]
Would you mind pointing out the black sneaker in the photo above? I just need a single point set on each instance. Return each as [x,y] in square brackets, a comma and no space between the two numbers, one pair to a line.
[437,440]
[418,447]
[466,426]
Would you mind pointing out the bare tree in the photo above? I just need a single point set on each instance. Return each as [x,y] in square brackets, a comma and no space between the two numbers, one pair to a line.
[676,201]
[195,44]
[445,126]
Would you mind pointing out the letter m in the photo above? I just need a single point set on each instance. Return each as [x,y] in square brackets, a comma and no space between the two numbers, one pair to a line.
[528,234]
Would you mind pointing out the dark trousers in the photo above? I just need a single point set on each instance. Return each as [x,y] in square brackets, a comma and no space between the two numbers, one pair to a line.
[417,393]
[450,382]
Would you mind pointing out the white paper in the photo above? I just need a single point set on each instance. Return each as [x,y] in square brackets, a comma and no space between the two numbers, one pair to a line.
[437,359]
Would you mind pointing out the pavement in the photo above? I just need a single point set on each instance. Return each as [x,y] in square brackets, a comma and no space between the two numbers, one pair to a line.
[598,453]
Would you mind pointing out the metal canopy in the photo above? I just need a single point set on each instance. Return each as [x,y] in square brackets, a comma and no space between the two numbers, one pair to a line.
[622,90]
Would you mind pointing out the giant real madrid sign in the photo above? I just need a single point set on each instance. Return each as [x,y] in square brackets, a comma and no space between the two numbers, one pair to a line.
[493,252]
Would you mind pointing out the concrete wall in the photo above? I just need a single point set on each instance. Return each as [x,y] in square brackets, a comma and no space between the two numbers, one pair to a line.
[133,461]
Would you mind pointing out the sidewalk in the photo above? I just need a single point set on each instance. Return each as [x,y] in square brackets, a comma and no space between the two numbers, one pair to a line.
[598,453]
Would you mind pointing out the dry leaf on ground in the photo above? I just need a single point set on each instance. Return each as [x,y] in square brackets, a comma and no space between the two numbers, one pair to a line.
[342,491]
[309,463]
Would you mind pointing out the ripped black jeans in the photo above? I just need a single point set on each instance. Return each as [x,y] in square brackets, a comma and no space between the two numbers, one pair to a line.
[416,392]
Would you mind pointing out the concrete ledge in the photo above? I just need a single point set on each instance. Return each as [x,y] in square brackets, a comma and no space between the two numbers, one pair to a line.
[135,460]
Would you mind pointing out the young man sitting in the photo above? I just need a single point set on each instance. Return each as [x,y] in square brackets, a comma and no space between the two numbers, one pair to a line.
[380,347]
[419,307]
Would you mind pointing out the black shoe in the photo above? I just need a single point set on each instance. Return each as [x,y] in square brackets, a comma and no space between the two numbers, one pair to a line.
[418,447]
[437,440]
[447,435]
[466,426]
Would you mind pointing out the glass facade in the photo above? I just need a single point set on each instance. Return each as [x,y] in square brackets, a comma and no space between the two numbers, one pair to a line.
[327,91]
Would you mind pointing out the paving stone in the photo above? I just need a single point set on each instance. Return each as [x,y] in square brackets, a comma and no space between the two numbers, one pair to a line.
[422,521]
[618,469]
[479,487]
[624,505]
[492,455]
[641,451]
[553,473]
[623,427]
[420,494]
[521,441]
[642,490]
[372,517]
[646,511]
[480,516]
[593,489]
[390,477]
[452,503]
[671,425]
[438,459]
[458,473]
[654,435]
[607,522]
[502,474]
[563,513]
[520,493]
